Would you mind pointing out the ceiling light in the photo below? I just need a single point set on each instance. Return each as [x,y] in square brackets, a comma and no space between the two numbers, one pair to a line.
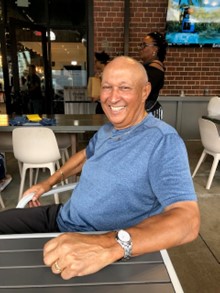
[22,3]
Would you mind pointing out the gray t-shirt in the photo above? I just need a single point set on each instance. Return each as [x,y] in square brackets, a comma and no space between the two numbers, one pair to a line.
[129,175]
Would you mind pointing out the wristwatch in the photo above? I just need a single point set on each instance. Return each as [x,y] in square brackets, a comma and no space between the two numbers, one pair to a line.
[124,239]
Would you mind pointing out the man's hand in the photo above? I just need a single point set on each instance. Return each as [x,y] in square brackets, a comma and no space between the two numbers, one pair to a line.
[38,190]
[74,254]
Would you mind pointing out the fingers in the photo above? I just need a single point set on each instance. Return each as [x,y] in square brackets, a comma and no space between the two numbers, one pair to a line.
[65,269]
[74,254]
[65,272]
[56,269]
[50,252]
[33,204]
[37,191]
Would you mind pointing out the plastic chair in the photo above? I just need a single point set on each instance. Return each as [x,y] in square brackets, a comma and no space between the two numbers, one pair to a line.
[64,144]
[3,184]
[6,144]
[211,141]
[59,189]
[213,107]
[34,148]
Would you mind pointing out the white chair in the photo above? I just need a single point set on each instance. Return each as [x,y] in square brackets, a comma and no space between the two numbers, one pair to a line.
[1,201]
[5,144]
[64,144]
[23,202]
[34,148]
[3,184]
[213,107]
[211,141]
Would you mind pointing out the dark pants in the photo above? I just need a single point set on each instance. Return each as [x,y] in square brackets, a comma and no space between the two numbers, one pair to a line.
[29,220]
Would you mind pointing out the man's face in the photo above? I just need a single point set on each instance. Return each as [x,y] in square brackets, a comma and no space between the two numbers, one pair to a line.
[123,95]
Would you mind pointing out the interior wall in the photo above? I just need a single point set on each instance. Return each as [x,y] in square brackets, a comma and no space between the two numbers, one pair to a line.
[194,70]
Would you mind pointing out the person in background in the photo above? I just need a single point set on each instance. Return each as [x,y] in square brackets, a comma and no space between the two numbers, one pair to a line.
[153,53]
[135,183]
[101,59]
[34,91]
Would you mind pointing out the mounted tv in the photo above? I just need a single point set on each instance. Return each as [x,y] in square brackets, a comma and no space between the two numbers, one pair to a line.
[193,23]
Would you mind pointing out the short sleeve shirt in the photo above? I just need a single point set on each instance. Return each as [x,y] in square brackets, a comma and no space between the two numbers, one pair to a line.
[129,175]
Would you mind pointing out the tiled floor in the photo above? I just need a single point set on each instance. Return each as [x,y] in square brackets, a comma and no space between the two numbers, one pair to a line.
[198,263]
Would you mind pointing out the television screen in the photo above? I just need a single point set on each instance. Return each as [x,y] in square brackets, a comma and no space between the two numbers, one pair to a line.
[193,23]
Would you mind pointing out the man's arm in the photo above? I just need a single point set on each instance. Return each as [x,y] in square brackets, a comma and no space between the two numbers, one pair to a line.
[178,224]
[72,167]
[82,254]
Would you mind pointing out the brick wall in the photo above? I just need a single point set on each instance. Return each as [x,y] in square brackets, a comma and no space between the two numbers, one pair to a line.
[190,69]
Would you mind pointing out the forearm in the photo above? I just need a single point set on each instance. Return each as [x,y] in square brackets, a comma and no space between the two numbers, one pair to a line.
[72,167]
[174,227]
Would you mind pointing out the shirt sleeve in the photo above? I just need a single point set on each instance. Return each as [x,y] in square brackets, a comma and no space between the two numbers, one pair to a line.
[169,172]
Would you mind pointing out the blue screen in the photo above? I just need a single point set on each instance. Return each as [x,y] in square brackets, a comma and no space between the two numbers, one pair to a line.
[193,23]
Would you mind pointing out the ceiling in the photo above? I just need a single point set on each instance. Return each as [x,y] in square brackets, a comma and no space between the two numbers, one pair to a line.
[61,12]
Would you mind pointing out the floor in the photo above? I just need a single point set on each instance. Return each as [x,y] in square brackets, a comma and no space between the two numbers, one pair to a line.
[197,264]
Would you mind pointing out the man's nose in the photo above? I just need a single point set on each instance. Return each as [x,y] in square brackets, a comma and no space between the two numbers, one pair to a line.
[114,96]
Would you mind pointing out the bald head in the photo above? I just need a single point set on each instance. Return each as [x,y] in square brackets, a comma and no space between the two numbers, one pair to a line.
[124,90]
[129,64]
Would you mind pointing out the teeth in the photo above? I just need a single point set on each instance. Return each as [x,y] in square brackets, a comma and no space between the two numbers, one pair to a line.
[117,108]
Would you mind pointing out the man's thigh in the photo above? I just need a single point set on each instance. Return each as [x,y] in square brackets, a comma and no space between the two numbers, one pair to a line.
[29,220]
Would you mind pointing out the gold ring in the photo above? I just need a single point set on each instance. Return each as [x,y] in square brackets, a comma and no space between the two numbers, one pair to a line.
[57,267]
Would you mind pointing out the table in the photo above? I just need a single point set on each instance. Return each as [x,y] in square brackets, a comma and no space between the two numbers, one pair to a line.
[22,270]
[72,124]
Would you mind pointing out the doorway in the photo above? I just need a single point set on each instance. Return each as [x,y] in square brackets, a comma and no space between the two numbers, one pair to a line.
[52,35]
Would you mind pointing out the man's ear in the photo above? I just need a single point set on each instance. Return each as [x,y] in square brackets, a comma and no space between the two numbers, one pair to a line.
[146,91]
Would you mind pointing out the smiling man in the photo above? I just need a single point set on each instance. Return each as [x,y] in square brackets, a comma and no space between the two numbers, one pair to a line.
[135,183]
[124,92]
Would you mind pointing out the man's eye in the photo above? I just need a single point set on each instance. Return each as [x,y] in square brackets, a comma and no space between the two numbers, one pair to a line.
[106,87]
[124,88]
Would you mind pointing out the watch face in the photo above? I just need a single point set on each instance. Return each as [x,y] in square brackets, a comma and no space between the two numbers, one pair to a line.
[123,236]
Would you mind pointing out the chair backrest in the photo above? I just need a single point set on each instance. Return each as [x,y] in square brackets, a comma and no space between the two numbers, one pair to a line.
[209,135]
[35,145]
[63,140]
[214,106]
